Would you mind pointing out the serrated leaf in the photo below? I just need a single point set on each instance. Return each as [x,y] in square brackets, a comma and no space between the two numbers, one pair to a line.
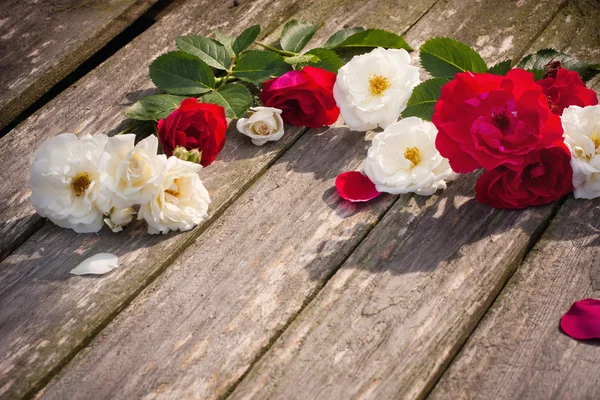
[212,53]
[340,36]
[424,96]
[374,38]
[226,41]
[296,35]
[234,98]
[535,63]
[257,66]
[302,59]
[328,59]
[444,57]
[501,68]
[245,39]
[154,107]
[182,74]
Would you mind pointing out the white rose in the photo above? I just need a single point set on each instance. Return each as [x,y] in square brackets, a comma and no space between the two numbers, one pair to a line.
[119,217]
[264,125]
[373,89]
[65,181]
[180,201]
[403,159]
[582,136]
[129,174]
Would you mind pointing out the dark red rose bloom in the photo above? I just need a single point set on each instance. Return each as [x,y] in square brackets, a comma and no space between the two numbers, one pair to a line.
[194,125]
[567,89]
[305,97]
[547,177]
[487,120]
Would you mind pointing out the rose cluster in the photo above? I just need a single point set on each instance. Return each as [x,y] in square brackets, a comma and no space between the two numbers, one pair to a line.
[82,183]
[511,127]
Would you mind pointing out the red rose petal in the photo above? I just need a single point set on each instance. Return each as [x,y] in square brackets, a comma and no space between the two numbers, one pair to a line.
[354,186]
[582,321]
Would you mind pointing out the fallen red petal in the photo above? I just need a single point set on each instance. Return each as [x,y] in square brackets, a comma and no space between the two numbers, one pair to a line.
[582,321]
[354,186]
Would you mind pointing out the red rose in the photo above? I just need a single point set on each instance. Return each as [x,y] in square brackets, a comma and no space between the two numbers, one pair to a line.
[567,89]
[194,125]
[487,120]
[547,177]
[305,97]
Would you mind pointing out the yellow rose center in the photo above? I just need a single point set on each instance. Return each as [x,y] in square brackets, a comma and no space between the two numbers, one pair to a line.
[80,183]
[174,192]
[378,84]
[413,155]
[261,128]
[595,139]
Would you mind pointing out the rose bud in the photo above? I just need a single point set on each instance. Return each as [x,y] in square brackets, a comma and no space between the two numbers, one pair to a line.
[119,217]
[264,125]
[194,125]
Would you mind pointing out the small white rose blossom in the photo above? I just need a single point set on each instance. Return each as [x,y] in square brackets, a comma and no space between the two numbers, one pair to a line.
[119,217]
[403,159]
[582,136]
[65,181]
[264,125]
[373,89]
[180,201]
[129,174]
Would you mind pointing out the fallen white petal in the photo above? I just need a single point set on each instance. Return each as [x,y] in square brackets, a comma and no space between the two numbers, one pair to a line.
[98,264]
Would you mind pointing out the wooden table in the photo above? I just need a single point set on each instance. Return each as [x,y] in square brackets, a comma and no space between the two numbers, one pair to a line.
[286,291]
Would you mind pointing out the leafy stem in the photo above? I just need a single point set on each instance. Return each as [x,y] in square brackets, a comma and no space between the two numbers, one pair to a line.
[223,80]
[276,50]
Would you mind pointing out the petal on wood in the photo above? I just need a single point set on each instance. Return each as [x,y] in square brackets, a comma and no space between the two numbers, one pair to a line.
[582,321]
[98,264]
[354,186]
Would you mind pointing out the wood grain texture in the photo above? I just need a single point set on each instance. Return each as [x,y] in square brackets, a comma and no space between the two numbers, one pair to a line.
[518,350]
[97,103]
[387,324]
[237,287]
[197,329]
[46,315]
[41,42]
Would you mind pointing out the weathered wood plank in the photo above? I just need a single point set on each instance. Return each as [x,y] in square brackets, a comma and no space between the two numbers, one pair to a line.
[518,350]
[41,42]
[45,316]
[197,329]
[91,105]
[387,324]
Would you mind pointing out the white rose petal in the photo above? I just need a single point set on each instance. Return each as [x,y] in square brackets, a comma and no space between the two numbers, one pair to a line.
[373,89]
[99,264]
[264,125]
[65,181]
[129,175]
[180,201]
[119,217]
[582,136]
[403,159]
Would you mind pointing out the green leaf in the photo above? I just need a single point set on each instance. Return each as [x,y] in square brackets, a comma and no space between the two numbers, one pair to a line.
[226,41]
[245,39]
[302,59]
[181,73]
[374,38]
[535,63]
[154,107]
[328,59]
[501,68]
[340,36]
[296,35]
[209,51]
[257,66]
[444,57]
[234,98]
[422,101]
